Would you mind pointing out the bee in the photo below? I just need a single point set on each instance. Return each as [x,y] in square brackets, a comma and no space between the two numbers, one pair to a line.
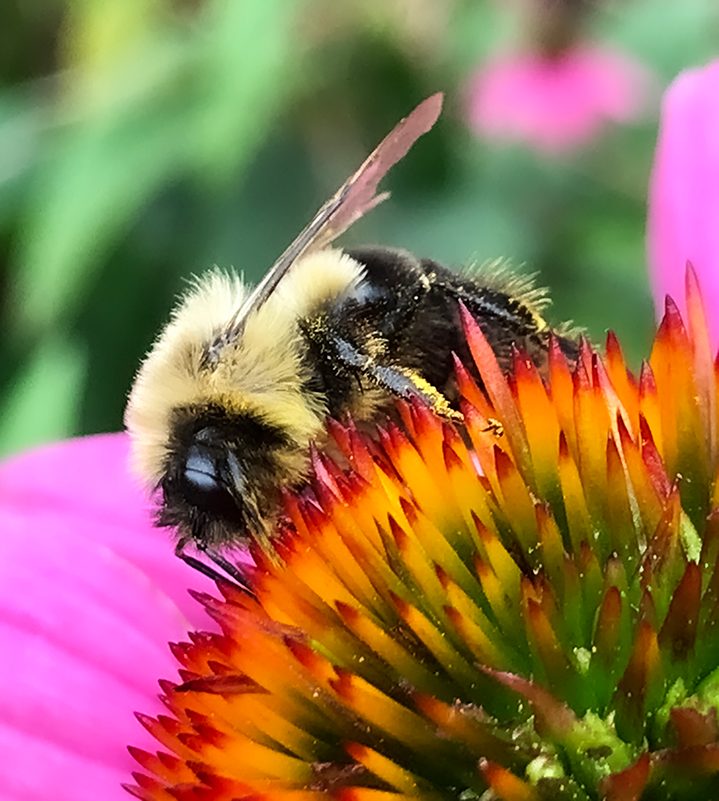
[226,405]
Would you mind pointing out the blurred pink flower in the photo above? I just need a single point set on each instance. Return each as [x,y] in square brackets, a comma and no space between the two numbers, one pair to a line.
[683,223]
[90,595]
[555,103]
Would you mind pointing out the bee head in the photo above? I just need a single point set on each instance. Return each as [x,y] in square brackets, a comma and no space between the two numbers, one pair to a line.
[218,431]
[219,483]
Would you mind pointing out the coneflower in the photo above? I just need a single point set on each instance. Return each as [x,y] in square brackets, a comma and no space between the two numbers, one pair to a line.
[525,614]
[521,608]
[558,90]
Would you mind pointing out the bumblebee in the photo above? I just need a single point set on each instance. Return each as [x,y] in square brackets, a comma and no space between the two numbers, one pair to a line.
[239,384]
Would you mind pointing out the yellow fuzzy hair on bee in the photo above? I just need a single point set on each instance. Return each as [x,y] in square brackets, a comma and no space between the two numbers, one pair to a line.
[238,386]
[261,373]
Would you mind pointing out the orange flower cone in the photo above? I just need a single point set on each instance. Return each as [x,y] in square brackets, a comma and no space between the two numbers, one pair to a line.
[524,610]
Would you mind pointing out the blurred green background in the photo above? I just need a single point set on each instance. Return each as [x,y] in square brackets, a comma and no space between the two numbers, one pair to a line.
[142,141]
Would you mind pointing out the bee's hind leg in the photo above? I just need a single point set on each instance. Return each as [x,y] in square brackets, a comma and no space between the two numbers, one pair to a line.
[398,381]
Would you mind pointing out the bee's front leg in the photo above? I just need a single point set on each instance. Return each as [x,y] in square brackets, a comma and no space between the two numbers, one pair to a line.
[233,572]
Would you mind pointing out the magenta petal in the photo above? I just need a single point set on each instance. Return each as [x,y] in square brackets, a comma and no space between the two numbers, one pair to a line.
[683,222]
[86,483]
[90,595]
[36,770]
[555,104]
[89,474]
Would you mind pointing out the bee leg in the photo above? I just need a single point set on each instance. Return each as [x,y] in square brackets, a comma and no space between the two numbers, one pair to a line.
[401,382]
[206,570]
[232,570]
[195,563]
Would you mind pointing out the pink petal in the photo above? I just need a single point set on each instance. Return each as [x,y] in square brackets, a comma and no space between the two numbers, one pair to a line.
[89,474]
[86,483]
[555,104]
[90,594]
[683,223]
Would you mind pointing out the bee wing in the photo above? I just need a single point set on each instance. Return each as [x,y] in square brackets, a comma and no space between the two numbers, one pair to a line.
[353,199]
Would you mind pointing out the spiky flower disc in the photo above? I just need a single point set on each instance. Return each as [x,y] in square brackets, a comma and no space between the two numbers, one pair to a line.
[529,614]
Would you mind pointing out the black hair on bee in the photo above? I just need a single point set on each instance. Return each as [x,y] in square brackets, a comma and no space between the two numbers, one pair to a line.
[239,384]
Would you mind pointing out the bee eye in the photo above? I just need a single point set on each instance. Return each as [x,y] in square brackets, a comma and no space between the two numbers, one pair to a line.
[203,484]
[201,471]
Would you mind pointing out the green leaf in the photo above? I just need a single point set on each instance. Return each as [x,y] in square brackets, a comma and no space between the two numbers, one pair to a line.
[244,78]
[203,109]
[43,402]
